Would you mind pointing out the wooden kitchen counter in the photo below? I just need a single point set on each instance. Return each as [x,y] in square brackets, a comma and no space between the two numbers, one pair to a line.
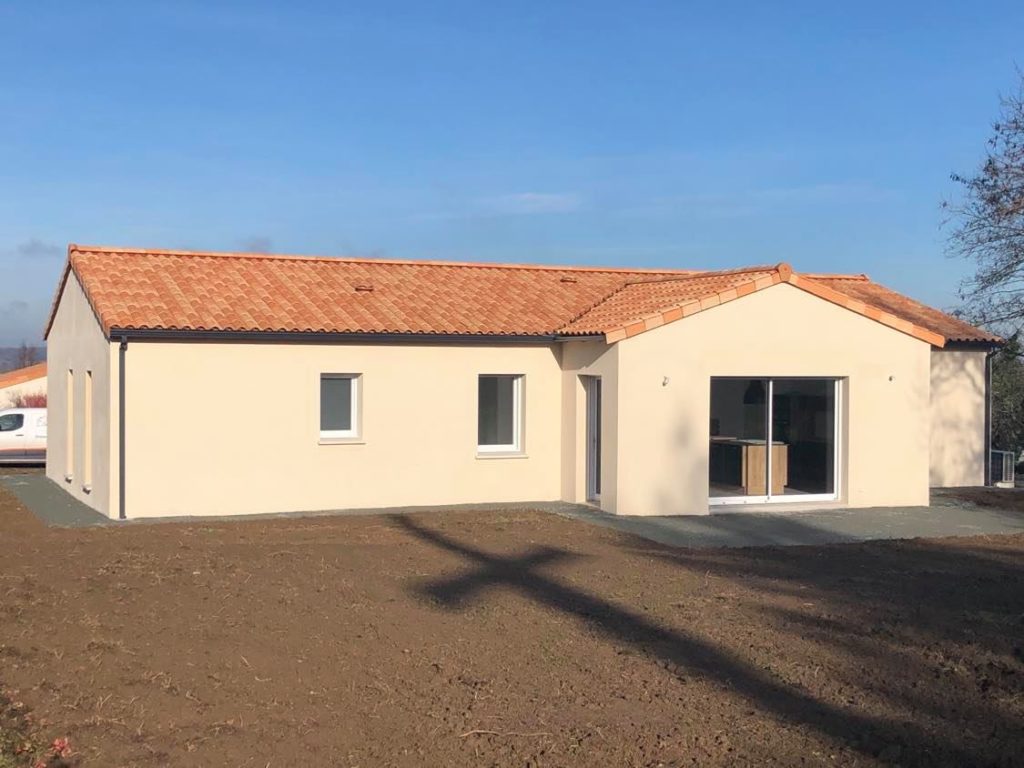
[741,462]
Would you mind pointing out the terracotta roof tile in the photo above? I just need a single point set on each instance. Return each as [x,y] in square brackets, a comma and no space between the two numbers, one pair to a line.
[860,287]
[646,304]
[636,301]
[21,375]
[231,292]
[182,291]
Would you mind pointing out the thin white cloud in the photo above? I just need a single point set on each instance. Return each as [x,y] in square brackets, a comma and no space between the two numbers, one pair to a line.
[745,203]
[826,192]
[515,204]
[526,203]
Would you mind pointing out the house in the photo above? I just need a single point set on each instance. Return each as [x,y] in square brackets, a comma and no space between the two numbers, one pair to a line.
[214,384]
[23,386]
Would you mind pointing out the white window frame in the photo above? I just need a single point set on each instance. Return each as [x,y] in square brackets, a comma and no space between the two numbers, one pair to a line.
[355,432]
[516,446]
[87,435]
[593,438]
[69,427]
[838,437]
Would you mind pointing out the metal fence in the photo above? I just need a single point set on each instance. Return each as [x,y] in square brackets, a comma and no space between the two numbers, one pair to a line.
[1003,464]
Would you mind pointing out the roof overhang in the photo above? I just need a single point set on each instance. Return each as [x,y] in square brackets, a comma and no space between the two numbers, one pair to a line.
[324,337]
[953,345]
[615,326]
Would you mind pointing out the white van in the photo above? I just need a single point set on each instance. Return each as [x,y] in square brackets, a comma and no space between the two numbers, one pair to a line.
[23,436]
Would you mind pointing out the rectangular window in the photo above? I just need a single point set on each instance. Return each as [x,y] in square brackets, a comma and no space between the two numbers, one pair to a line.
[499,415]
[69,437]
[87,439]
[339,405]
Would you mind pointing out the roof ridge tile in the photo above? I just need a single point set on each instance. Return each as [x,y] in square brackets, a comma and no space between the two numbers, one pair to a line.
[705,274]
[242,255]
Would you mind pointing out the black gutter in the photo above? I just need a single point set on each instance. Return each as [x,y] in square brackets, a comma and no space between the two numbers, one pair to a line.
[122,515]
[975,345]
[330,337]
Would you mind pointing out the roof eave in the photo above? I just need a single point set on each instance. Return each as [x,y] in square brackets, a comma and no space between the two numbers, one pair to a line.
[334,337]
[955,343]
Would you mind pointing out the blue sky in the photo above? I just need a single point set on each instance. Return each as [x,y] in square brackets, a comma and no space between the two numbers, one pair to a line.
[632,134]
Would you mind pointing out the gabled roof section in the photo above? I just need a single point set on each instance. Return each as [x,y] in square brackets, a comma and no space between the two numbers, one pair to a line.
[643,305]
[180,292]
[22,375]
[186,291]
[863,289]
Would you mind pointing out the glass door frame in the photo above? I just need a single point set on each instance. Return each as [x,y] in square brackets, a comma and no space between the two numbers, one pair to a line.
[593,438]
[768,497]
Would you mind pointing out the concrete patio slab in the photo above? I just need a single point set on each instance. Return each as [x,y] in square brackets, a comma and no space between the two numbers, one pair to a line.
[946,517]
[829,526]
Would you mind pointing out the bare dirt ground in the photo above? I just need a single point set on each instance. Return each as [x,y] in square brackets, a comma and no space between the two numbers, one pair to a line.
[1000,498]
[500,639]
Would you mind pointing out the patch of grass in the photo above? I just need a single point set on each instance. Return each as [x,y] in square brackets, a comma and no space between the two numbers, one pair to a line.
[20,743]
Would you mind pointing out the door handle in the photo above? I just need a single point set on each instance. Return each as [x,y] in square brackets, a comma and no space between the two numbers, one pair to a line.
[19,434]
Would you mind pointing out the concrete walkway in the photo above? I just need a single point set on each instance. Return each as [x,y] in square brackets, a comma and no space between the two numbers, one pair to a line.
[49,502]
[745,529]
[946,517]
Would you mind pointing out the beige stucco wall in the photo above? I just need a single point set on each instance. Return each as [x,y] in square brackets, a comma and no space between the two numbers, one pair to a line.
[30,387]
[77,343]
[663,426]
[589,358]
[234,428]
[957,418]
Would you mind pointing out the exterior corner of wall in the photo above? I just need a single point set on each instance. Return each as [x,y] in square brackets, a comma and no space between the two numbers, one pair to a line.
[957,407]
[570,418]
[77,343]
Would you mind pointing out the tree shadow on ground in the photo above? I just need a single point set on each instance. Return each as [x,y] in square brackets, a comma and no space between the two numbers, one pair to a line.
[947,615]
[682,652]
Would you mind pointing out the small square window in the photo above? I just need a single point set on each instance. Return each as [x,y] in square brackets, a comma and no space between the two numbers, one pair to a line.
[339,405]
[499,414]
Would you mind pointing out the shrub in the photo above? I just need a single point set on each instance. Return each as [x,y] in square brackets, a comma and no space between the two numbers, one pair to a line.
[31,400]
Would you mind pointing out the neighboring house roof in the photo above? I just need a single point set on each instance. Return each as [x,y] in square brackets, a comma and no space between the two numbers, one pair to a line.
[174,291]
[22,375]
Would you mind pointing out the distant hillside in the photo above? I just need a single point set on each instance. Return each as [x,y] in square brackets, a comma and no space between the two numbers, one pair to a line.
[18,357]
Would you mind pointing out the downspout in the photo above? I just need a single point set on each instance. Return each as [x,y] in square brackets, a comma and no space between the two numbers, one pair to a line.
[120,428]
[988,415]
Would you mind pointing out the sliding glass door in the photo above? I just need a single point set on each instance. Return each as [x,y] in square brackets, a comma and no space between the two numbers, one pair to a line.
[804,423]
[773,440]
[739,431]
